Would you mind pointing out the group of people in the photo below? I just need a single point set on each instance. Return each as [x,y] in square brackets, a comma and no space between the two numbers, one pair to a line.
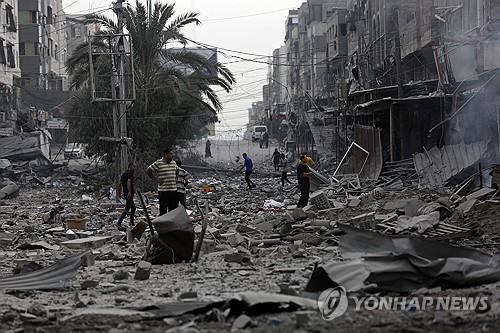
[283,162]
[172,181]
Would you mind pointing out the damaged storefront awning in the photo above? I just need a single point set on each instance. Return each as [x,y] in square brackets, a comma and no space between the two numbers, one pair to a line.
[436,166]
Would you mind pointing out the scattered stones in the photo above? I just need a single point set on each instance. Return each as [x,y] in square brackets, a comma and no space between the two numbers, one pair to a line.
[241,322]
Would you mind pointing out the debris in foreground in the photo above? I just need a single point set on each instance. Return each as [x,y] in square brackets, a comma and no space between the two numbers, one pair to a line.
[403,264]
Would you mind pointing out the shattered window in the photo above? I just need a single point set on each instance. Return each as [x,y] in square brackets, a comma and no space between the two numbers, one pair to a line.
[11,22]
[2,53]
[10,56]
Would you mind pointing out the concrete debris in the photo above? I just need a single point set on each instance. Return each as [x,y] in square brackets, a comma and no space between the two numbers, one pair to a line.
[242,322]
[143,271]
[419,223]
[86,243]
[8,189]
[254,240]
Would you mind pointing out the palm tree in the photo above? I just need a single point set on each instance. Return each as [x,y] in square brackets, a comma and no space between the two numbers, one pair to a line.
[156,66]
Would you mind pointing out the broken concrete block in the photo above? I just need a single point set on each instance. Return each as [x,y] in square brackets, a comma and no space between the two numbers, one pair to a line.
[241,322]
[364,221]
[86,243]
[235,239]
[120,274]
[296,214]
[8,190]
[143,271]
[320,200]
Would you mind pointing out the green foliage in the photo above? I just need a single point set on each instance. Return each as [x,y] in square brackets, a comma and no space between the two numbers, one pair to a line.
[169,105]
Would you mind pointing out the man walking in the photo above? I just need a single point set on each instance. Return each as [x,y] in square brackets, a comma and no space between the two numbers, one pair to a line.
[284,171]
[248,166]
[276,160]
[303,174]
[165,172]
[126,190]
[182,182]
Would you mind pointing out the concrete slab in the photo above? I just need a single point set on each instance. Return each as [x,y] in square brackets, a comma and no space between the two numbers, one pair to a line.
[480,193]
[86,243]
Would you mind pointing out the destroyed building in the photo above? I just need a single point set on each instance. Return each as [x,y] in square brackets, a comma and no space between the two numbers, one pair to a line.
[401,77]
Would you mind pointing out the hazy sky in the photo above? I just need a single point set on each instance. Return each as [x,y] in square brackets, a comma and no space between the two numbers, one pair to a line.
[253,26]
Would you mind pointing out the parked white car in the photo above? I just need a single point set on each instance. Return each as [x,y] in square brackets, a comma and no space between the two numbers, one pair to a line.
[258,132]
[73,150]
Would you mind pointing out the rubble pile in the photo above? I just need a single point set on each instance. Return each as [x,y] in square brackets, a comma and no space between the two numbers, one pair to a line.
[259,252]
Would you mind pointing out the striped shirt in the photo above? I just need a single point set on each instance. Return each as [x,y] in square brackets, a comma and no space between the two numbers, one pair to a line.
[166,173]
[182,179]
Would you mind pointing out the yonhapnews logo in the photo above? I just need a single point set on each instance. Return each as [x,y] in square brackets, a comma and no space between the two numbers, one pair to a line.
[333,303]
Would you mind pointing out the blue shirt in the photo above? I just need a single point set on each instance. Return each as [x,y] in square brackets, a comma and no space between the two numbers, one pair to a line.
[248,164]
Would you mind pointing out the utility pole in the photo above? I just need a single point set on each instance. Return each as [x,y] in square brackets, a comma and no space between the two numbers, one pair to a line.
[120,103]
[397,52]
[119,95]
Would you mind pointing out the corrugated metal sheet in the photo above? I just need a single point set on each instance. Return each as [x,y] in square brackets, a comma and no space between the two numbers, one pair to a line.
[436,166]
[56,276]
[368,138]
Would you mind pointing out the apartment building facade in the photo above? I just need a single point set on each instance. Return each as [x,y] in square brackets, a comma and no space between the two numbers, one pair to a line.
[9,65]
[43,46]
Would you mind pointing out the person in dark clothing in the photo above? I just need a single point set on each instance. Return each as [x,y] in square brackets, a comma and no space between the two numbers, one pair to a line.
[208,150]
[303,174]
[284,163]
[248,166]
[265,137]
[126,189]
[276,160]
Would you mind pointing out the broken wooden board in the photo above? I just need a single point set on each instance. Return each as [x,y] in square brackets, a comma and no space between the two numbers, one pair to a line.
[441,232]
[86,243]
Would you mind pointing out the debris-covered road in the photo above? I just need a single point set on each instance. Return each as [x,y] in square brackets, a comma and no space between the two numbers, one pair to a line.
[257,261]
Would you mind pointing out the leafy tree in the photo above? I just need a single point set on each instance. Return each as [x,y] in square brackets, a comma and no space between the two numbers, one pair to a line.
[170,103]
